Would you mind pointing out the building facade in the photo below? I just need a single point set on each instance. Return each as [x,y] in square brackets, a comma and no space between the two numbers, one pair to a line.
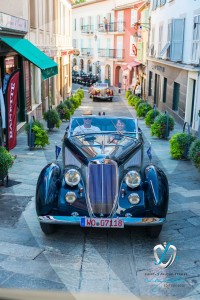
[93,35]
[50,30]
[135,17]
[35,38]
[174,57]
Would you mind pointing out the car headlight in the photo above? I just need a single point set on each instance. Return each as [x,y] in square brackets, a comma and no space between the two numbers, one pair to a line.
[134,198]
[70,197]
[133,179]
[72,177]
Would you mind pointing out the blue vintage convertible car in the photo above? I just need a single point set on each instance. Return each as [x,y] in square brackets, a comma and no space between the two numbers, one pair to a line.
[103,181]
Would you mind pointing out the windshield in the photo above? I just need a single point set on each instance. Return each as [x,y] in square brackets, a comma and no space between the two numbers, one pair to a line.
[89,124]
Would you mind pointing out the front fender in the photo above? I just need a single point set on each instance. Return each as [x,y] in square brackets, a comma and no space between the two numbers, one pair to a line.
[47,188]
[157,190]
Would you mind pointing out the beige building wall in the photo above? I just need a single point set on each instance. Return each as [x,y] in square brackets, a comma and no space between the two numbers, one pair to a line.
[17,8]
[50,31]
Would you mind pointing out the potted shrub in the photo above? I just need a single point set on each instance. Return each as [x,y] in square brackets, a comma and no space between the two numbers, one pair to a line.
[6,162]
[150,116]
[142,109]
[128,93]
[179,145]
[70,105]
[159,127]
[52,118]
[63,111]
[39,137]
[194,153]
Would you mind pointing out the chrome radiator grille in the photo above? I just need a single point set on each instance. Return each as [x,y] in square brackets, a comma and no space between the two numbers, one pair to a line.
[102,187]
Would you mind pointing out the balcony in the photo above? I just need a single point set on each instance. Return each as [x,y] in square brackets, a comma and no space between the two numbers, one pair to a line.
[111,53]
[111,27]
[88,29]
[86,51]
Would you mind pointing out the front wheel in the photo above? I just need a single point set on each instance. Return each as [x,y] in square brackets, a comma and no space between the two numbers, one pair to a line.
[154,231]
[48,228]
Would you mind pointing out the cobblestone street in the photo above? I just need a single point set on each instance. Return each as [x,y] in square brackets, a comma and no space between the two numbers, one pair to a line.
[119,262]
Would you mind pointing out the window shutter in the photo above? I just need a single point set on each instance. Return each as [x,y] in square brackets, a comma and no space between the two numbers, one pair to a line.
[196,40]
[162,2]
[139,50]
[177,40]
[155,4]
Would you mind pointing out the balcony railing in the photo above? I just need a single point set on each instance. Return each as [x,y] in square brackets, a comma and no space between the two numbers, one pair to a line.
[87,29]
[111,53]
[86,51]
[111,27]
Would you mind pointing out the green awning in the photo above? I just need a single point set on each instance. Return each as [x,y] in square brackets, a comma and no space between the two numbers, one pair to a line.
[48,66]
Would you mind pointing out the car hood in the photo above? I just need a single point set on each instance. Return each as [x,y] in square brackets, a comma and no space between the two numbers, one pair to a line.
[100,146]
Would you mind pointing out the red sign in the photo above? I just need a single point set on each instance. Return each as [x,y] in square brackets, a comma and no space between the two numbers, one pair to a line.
[134,49]
[11,99]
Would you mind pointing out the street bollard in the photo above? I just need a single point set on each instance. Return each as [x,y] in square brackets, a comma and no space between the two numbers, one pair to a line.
[199,126]
[167,124]
[154,108]
[146,106]
[185,154]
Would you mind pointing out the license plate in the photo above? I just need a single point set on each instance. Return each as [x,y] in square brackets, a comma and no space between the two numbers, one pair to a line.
[103,223]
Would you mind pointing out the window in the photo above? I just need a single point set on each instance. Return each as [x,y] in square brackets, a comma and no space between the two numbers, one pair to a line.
[169,39]
[133,17]
[164,90]
[47,17]
[177,39]
[32,14]
[196,40]
[160,39]
[150,83]
[133,48]
[75,24]
[176,95]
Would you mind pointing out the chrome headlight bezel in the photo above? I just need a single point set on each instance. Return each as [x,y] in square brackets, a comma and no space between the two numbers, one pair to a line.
[133,179]
[72,177]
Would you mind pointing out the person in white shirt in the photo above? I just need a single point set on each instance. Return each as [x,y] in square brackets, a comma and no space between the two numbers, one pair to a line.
[87,127]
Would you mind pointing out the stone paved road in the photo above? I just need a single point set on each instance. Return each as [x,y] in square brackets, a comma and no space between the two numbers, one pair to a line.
[118,262]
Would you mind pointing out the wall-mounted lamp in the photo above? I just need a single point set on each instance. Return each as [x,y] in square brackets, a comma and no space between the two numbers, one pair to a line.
[140,25]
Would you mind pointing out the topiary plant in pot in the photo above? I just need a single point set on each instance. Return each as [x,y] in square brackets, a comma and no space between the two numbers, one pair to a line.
[179,145]
[159,128]
[194,153]
[6,162]
[63,111]
[150,117]
[39,137]
[52,118]
[142,109]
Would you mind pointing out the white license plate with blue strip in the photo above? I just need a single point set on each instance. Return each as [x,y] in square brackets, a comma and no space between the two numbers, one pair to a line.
[102,222]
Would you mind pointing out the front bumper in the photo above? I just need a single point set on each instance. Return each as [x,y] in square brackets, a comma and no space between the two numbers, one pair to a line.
[128,221]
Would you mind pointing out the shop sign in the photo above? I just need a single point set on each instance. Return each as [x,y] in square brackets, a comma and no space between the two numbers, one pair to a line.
[76,52]
[159,68]
[13,23]
[76,68]
[11,109]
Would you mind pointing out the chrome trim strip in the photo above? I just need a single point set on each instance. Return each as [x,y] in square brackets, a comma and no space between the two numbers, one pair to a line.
[129,221]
